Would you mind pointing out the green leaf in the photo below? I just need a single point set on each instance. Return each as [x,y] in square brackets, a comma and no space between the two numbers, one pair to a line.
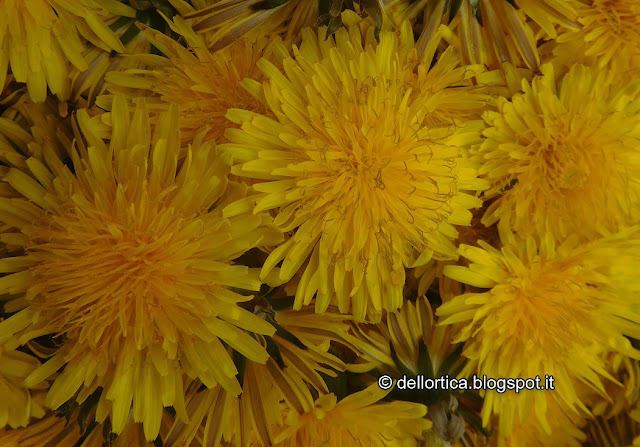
[67,409]
[456,371]
[513,182]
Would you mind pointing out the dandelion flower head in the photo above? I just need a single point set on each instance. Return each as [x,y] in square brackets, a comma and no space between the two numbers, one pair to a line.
[609,36]
[202,83]
[40,38]
[358,419]
[562,155]
[295,371]
[127,257]
[364,163]
[549,309]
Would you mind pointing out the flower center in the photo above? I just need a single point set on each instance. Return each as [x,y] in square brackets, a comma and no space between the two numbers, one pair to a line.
[622,18]
[564,154]
[95,272]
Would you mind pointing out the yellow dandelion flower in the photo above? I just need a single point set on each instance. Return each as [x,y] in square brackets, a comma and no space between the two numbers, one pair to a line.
[395,345]
[551,309]
[87,84]
[131,436]
[18,404]
[58,431]
[128,257]
[565,428]
[299,362]
[45,432]
[410,344]
[489,32]
[204,85]
[622,430]
[358,419]
[621,396]
[430,275]
[39,38]
[24,127]
[225,21]
[615,420]
[562,155]
[609,36]
[365,163]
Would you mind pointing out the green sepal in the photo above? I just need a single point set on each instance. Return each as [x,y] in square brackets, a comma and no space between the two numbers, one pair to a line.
[425,366]
[373,8]
[107,435]
[285,334]
[86,433]
[241,365]
[67,409]
[281,303]
[449,361]
[129,34]
[334,25]
[274,352]
[455,7]
[87,406]
[338,385]
[399,364]
[475,10]
[269,4]
[474,421]
[121,22]
[158,442]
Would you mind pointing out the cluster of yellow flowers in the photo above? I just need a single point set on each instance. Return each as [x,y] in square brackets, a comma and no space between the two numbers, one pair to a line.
[224,222]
